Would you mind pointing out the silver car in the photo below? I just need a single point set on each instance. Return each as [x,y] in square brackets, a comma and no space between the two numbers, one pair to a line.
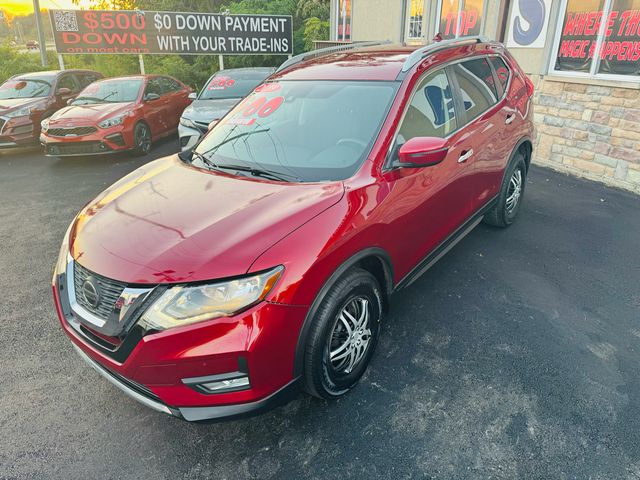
[221,93]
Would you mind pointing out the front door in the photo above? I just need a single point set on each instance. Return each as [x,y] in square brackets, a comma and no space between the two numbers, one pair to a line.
[426,205]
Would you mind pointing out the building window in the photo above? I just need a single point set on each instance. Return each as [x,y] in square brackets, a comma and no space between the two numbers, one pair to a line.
[598,38]
[460,18]
[415,18]
[343,25]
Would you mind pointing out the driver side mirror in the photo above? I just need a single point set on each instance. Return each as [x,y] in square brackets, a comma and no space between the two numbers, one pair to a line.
[150,97]
[193,96]
[423,152]
[63,92]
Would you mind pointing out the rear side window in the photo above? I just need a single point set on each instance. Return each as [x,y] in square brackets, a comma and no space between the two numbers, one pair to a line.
[502,71]
[169,85]
[431,112]
[477,86]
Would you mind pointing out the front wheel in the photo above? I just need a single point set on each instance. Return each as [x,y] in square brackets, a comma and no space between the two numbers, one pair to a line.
[510,198]
[343,335]
[142,139]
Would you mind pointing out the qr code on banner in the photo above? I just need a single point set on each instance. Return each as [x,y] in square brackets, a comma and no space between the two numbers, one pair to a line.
[66,21]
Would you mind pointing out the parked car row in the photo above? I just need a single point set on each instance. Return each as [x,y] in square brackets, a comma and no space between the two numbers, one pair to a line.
[77,112]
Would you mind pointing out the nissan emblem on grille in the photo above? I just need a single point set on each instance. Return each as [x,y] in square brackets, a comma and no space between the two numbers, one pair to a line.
[91,292]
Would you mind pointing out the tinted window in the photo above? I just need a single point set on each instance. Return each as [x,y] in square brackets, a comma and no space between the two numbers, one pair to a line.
[67,82]
[168,85]
[476,85]
[87,79]
[154,86]
[232,84]
[313,131]
[502,71]
[431,112]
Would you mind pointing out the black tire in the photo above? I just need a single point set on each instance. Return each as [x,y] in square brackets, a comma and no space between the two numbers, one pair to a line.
[142,139]
[506,210]
[321,377]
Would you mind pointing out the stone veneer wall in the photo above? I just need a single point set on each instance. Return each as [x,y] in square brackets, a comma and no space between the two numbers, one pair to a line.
[588,130]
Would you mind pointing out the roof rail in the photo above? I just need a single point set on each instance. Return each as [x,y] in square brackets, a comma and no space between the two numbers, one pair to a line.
[419,54]
[321,52]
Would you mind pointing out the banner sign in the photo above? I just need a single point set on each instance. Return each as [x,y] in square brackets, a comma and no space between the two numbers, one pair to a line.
[184,33]
[620,51]
[529,23]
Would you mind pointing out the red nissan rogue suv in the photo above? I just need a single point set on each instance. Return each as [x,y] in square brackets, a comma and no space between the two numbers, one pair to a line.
[216,282]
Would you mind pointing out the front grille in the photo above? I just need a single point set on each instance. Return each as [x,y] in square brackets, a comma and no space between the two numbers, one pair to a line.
[71,131]
[76,148]
[109,290]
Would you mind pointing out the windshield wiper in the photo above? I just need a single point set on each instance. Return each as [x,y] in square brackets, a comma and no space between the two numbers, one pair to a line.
[259,172]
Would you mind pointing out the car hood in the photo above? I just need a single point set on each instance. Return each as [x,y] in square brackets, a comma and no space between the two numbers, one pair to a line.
[169,222]
[13,103]
[93,113]
[205,111]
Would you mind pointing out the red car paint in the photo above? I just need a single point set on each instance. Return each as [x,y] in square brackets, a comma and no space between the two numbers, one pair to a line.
[161,115]
[169,222]
[25,130]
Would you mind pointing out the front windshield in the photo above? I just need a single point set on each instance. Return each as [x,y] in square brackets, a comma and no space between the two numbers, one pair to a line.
[110,91]
[230,84]
[25,88]
[311,131]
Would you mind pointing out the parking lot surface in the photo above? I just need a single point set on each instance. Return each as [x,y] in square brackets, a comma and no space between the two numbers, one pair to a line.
[516,356]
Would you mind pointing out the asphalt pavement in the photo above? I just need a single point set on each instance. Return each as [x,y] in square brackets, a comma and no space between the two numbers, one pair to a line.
[516,356]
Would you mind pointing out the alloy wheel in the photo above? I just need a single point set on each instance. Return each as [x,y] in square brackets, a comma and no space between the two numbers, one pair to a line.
[144,139]
[351,336]
[514,191]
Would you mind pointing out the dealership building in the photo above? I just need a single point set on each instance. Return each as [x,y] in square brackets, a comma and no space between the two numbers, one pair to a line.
[582,55]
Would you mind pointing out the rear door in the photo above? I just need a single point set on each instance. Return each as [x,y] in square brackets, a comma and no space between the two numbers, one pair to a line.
[175,100]
[477,97]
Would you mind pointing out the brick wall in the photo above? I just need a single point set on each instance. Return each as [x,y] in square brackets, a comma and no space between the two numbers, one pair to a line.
[590,131]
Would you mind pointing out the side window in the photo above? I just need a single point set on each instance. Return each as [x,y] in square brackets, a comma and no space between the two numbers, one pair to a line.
[86,79]
[478,90]
[431,112]
[168,85]
[153,86]
[67,81]
[502,71]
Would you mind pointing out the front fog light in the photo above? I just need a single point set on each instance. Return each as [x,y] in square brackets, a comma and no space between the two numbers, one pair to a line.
[224,383]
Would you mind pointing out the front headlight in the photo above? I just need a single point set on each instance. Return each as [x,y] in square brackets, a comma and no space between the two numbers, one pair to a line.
[112,122]
[21,112]
[44,125]
[187,123]
[183,305]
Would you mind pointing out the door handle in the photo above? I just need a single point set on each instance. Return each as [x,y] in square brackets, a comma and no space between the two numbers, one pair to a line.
[510,118]
[465,156]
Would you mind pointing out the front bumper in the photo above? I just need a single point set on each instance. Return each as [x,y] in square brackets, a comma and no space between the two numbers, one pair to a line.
[160,367]
[188,137]
[103,141]
[17,132]
[195,414]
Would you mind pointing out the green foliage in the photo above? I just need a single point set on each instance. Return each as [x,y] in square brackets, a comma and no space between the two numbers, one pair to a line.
[14,62]
[314,29]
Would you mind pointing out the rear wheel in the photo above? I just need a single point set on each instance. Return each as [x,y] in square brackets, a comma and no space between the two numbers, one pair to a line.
[510,198]
[343,335]
[142,139]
